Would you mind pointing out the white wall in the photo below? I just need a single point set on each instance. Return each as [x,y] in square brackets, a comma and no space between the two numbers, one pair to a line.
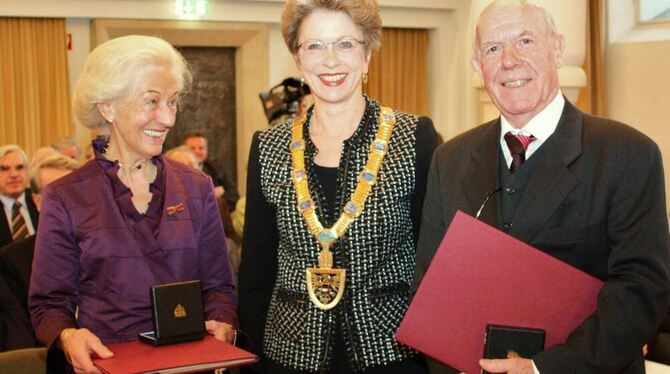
[637,79]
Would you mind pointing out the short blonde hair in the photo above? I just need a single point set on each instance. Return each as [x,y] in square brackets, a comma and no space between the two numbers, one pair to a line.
[108,70]
[182,149]
[364,13]
[58,161]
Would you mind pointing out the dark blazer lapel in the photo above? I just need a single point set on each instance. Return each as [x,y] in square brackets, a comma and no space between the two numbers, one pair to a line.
[482,175]
[32,209]
[551,181]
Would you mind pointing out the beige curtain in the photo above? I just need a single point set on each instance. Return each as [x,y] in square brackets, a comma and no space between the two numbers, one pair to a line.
[34,83]
[397,73]
[592,97]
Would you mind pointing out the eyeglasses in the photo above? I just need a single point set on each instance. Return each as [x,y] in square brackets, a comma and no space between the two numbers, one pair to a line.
[315,48]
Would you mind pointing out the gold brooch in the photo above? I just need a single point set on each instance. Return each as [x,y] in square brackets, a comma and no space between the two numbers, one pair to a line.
[175,208]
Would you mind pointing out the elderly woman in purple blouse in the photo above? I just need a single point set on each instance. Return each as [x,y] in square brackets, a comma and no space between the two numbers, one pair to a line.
[129,218]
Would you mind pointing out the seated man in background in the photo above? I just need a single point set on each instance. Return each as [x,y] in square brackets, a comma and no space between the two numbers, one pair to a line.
[16,261]
[224,185]
[20,213]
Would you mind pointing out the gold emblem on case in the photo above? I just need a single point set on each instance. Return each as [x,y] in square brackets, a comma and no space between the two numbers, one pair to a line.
[179,311]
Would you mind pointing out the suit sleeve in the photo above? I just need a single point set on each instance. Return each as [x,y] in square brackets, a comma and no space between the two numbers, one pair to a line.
[433,225]
[54,282]
[634,299]
[258,268]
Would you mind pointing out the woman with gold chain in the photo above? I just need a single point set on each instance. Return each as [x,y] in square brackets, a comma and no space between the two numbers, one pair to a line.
[333,205]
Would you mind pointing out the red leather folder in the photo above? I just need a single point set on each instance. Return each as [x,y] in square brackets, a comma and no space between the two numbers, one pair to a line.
[480,275]
[190,357]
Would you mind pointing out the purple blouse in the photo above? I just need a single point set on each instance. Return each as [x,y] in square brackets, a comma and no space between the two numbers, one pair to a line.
[96,252]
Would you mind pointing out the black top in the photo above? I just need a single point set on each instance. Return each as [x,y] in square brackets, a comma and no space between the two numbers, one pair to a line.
[15,266]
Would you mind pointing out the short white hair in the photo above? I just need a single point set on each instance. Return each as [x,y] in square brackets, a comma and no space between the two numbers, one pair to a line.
[9,148]
[549,19]
[108,70]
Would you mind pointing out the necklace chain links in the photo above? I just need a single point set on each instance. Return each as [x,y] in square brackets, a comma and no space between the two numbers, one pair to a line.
[115,160]
[325,284]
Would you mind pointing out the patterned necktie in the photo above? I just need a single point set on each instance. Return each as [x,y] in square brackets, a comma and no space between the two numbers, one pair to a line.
[517,145]
[19,228]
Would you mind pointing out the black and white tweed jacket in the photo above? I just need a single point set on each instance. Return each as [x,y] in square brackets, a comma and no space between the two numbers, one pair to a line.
[377,251]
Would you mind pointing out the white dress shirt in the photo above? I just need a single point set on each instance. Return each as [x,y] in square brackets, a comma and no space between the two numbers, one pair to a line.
[8,204]
[541,127]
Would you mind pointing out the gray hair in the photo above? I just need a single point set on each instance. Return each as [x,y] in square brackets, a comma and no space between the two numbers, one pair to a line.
[9,148]
[56,162]
[548,18]
[108,70]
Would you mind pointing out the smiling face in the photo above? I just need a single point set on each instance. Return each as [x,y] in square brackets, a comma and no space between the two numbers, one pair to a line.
[518,59]
[198,145]
[142,119]
[334,76]
[13,175]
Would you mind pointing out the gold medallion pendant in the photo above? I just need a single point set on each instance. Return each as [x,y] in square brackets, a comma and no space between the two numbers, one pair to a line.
[325,285]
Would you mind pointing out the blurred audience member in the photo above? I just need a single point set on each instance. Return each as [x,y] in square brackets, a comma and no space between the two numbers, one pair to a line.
[184,155]
[16,261]
[68,147]
[42,153]
[20,213]
[47,171]
[224,185]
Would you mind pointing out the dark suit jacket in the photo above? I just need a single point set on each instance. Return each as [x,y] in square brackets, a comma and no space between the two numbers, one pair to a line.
[230,194]
[15,265]
[5,230]
[596,200]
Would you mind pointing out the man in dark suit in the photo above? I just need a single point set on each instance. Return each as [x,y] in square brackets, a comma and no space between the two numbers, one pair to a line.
[224,185]
[19,215]
[586,190]
[16,264]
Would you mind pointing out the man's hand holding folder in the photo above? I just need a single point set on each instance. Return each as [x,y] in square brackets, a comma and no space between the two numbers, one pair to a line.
[492,278]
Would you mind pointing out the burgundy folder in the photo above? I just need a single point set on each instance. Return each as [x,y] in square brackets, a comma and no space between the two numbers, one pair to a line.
[480,275]
[190,357]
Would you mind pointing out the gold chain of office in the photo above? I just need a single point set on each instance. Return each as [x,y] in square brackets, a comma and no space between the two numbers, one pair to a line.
[325,284]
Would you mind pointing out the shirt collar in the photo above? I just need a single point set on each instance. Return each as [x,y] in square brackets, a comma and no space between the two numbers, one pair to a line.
[542,125]
[8,202]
